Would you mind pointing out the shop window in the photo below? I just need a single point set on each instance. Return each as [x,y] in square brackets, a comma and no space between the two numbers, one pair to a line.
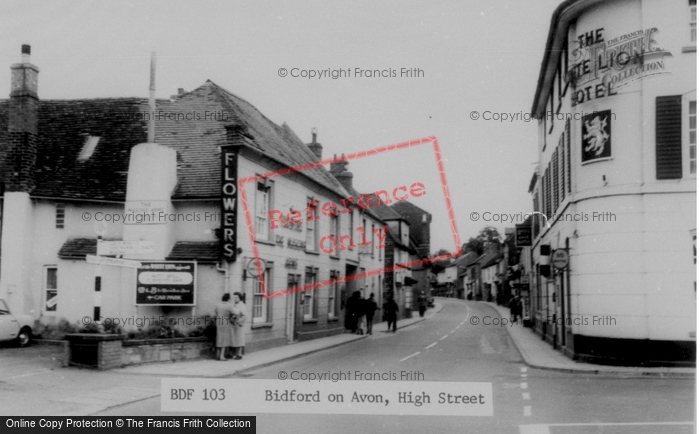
[263,199]
[60,215]
[261,304]
[50,289]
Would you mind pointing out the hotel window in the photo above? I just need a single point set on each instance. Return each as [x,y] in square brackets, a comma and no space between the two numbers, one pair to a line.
[60,215]
[310,293]
[334,228]
[311,223]
[371,234]
[692,138]
[351,227]
[50,288]
[262,206]
[333,294]
[261,304]
[693,21]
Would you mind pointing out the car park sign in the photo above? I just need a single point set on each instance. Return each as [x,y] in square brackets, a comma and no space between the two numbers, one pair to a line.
[166,283]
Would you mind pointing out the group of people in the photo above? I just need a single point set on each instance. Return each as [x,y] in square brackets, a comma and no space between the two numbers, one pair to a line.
[359,313]
[230,318]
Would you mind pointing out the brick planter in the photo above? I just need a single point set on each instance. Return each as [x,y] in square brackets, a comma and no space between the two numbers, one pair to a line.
[112,351]
[95,350]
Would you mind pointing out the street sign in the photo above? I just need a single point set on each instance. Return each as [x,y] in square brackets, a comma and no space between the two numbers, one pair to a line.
[166,283]
[101,260]
[108,248]
[100,228]
[560,259]
[252,267]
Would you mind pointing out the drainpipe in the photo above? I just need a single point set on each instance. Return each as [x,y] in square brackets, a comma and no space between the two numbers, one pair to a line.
[227,274]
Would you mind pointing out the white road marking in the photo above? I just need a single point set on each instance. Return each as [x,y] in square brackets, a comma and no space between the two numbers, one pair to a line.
[451,331]
[443,337]
[523,369]
[527,410]
[544,429]
[408,357]
[431,345]
[526,396]
[523,385]
[523,375]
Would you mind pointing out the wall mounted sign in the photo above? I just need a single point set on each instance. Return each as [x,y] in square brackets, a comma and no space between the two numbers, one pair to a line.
[596,136]
[296,244]
[523,235]
[560,259]
[229,203]
[599,67]
[166,283]
[291,263]
[252,266]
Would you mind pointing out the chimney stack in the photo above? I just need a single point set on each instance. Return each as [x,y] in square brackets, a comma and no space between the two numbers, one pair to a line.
[315,147]
[18,155]
[339,170]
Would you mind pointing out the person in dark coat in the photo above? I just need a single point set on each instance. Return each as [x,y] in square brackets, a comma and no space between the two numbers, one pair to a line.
[514,306]
[422,303]
[391,310]
[370,309]
[360,314]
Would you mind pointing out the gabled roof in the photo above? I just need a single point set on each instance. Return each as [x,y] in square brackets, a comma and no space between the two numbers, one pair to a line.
[490,258]
[194,124]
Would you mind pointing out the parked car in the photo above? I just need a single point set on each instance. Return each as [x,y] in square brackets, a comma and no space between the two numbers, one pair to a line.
[15,327]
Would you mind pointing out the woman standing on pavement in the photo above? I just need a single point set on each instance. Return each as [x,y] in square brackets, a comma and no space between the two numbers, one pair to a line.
[224,333]
[237,329]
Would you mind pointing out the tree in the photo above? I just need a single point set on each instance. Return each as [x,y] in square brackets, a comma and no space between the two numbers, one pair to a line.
[438,266]
[477,244]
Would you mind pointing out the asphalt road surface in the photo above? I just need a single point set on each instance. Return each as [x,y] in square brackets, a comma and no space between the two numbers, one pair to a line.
[448,348]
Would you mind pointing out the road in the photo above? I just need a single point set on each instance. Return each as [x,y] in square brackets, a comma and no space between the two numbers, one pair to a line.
[447,347]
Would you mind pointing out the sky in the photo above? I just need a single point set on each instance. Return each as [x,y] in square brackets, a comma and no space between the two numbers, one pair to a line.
[467,58]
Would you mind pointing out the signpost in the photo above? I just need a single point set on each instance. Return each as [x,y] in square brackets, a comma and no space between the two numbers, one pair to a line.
[560,259]
[108,248]
[100,260]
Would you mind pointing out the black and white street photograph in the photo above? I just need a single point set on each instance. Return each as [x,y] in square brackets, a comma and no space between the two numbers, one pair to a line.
[387,216]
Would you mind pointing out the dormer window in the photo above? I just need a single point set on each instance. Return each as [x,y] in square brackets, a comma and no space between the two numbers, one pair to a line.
[88,148]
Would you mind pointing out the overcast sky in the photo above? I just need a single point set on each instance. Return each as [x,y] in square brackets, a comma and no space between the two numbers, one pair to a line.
[474,56]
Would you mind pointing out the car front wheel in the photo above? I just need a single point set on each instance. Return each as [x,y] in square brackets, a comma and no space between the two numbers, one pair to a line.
[24,337]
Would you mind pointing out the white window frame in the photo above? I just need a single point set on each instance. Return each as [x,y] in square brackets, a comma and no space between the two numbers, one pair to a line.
[261,304]
[311,226]
[693,24]
[310,294]
[334,231]
[686,132]
[333,294]
[263,199]
[46,290]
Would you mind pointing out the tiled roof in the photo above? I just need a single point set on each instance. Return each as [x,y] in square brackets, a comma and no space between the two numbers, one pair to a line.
[77,248]
[201,251]
[193,124]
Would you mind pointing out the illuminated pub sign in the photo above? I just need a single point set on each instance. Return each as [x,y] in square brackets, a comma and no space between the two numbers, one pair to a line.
[229,203]
[165,283]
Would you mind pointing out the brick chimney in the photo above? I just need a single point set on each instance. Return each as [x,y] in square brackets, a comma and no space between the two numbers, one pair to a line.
[315,147]
[18,155]
[339,170]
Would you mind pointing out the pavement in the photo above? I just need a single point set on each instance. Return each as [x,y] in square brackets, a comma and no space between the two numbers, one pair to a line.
[258,359]
[539,354]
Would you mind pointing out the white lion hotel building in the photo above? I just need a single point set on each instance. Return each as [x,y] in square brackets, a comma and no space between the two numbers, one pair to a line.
[66,164]
[617,179]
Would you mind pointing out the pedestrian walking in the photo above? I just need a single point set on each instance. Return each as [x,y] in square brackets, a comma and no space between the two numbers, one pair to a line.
[422,303]
[391,310]
[238,317]
[370,309]
[224,332]
[514,306]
